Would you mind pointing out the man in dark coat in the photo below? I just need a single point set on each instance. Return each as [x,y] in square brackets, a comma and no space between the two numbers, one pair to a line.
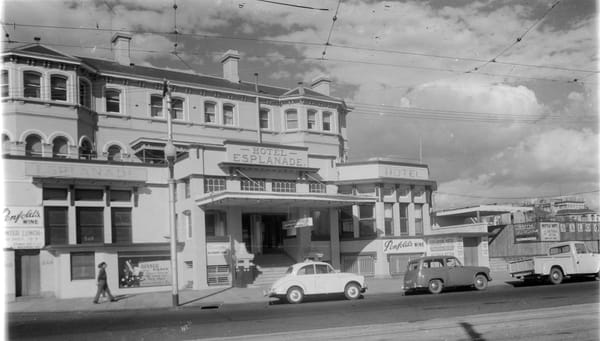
[102,284]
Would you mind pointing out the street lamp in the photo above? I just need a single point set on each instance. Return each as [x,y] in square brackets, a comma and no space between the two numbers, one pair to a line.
[170,153]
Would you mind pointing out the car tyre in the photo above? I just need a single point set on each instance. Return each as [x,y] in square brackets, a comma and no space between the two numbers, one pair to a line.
[480,282]
[435,286]
[295,295]
[352,291]
[556,276]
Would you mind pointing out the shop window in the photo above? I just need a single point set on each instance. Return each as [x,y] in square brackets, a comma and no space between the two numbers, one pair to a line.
[117,195]
[85,150]
[55,194]
[156,106]
[418,220]
[264,118]
[89,195]
[366,222]
[327,121]
[316,187]
[113,100]
[177,109]
[228,119]
[210,112]
[83,265]
[214,184]
[31,84]
[311,119]
[404,219]
[144,269]
[60,147]
[284,186]
[252,185]
[121,225]
[388,210]
[114,153]
[291,119]
[215,224]
[359,264]
[346,222]
[56,225]
[85,93]
[33,145]
[58,88]
[90,225]
[4,85]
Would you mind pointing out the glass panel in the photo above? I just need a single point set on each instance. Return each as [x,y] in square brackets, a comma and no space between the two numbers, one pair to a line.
[55,194]
[114,153]
[113,101]
[33,145]
[366,211]
[327,121]
[90,225]
[56,223]
[121,225]
[89,194]
[82,265]
[156,106]
[177,109]
[214,184]
[84,93]
[284,186]
[31,84]
[120,195]
[228,114]
[291,119]
[264,118]
[311,119]
[209,112]
[58,88]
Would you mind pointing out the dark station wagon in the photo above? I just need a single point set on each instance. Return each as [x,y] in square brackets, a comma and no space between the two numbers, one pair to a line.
[438,272]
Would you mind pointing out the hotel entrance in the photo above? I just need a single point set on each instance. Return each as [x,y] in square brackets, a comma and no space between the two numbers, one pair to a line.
[263,233]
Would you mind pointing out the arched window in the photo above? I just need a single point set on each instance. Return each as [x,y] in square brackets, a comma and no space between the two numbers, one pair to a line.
[85,93]
[4,83]
[85,150]
[114,153]
[33,145]
[113,100]
[209,112]
[228,114]
[58,88]
[5,141]
[31,84]
[60,147]
[311,119]
[291,119]
[177,108]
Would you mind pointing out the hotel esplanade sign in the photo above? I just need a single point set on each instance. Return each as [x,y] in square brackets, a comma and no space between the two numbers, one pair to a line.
[266,154]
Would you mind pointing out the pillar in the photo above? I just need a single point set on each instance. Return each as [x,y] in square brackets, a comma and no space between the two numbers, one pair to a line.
[355,220]
[411,219]
[199,246]
[334,231]
[396,218]
[379,218]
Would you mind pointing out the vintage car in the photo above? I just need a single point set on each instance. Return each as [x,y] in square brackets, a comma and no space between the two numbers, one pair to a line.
[314,278]
[438,272]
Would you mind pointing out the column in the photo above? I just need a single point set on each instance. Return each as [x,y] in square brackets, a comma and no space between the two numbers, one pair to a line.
[199,247]
[396,218]
[411,219]
[334,231]
[379,218]
[355,220]
[426,219]
[303,235]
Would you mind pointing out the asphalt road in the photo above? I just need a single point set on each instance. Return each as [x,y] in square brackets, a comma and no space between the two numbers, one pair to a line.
[320,313]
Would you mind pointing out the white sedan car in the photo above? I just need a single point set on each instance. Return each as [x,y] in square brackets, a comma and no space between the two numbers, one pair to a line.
[315,278]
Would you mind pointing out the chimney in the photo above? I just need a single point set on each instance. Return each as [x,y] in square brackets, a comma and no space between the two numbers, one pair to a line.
[120,46]
[230,66]
[321,84]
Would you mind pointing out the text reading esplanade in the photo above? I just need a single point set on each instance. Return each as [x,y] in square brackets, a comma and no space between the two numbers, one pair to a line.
[270,156]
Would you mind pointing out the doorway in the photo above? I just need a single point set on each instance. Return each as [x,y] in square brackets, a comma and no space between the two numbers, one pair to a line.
[263,233]
[27,272]
[470,249]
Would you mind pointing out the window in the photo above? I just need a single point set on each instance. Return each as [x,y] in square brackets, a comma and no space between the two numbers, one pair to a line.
[366,220]
[347,222]
[228,114]
[560,249]
[85,93]
[114,153]
[323,268]
[264,118]
[117,195]
[90,225]
[252,185]
[215,224]
[321,228]
[55,194]
[403,219]
[580,248]
[82,265]
[214,184]
[85,150]
[33,146]
[327,121]
[414,266]
[4,86]
[418,220]
[452,262]
[316,187]
[113,100]
[433,263]
[177,109]
[210,112]
[389,219]
[60,147]
[58,88]
[31,84]
[284,186]
[156,106]
[121,224]
[307,270]
[188,223]
[89,195]
[291,119]
[5,143]
[186,188]
[56,225]
[311,119]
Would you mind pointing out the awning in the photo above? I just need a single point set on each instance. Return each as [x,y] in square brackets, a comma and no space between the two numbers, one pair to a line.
[276,200]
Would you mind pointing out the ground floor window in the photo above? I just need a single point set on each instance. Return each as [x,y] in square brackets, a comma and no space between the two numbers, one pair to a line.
[398,263]
[144,269]
[218,275]
[90,225]
[215,224]
[121,225]
[359,264]
[82,265]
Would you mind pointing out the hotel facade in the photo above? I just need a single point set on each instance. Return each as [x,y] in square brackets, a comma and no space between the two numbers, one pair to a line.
[260,171]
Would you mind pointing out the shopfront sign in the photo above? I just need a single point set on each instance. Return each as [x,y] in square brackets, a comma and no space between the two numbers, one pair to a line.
[24,227]
[549,232]
[81,171]
[297,223]
[526,232]
[267,155]
[403,172]
[391,246]
[144,271]
[450,246]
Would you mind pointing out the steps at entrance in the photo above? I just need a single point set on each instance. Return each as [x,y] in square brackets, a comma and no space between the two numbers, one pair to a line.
[271,267]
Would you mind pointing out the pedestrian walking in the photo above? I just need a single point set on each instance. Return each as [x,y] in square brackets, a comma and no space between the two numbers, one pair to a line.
[102,284]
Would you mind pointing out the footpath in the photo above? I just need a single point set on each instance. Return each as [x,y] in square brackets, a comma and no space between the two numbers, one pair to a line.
[208,298]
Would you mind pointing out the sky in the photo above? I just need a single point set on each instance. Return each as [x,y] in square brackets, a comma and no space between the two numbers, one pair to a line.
[498,98]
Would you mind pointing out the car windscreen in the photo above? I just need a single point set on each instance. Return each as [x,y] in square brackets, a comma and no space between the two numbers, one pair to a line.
[413,266]
[289,270]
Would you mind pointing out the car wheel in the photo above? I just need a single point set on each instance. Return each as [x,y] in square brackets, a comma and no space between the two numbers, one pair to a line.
[295,295]
[435,286]
[352,291]
[556,276]
[480,282]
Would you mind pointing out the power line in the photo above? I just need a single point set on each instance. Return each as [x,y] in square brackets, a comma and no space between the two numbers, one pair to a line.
[294,5]
[334,19]
[514,198]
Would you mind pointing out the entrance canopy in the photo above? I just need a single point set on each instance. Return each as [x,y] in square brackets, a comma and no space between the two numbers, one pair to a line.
[273,200]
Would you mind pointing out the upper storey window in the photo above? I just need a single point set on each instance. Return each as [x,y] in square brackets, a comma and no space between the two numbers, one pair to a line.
[264,118]
[177,109]
[291,119]
[85,93]
[327,121]
[228,114]
[58,88]
[311,119]
[4,83]
[156,102]
[210,112]
[33,145]
[31,84]
[113,100]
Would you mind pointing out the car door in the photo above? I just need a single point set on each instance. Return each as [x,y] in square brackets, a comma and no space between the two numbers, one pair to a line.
[326,279]
[586,262]
[458,275]
[434,268]
[306,278]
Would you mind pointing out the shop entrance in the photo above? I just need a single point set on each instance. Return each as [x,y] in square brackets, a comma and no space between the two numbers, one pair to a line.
[263,233]
[27,272]
[471,247]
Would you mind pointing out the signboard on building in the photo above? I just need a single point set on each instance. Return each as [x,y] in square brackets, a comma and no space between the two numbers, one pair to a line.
[403,172]
[144,271]
[24,227]
[549,232]
[81,171]
[526,232]
[446,246]
[391,246]
[297,223]
[267,155]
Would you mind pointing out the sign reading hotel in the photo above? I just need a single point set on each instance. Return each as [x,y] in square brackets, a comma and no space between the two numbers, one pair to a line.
[391,246]
[403,172]
[267,156]
[24,227]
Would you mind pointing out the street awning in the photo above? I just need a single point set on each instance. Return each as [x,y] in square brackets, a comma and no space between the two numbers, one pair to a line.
[275,200]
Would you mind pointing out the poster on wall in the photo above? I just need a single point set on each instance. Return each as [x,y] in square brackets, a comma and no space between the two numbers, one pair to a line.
[24,227]
[391,246]
[549,232]
[526,232]
[446,246]
[147,270]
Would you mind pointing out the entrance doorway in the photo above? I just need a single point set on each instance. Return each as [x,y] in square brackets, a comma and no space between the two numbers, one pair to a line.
[27,272]
[470,248]
[263,233]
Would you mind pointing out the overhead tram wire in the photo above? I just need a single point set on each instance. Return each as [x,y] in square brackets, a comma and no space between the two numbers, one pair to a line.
[515,198]
[294,5]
